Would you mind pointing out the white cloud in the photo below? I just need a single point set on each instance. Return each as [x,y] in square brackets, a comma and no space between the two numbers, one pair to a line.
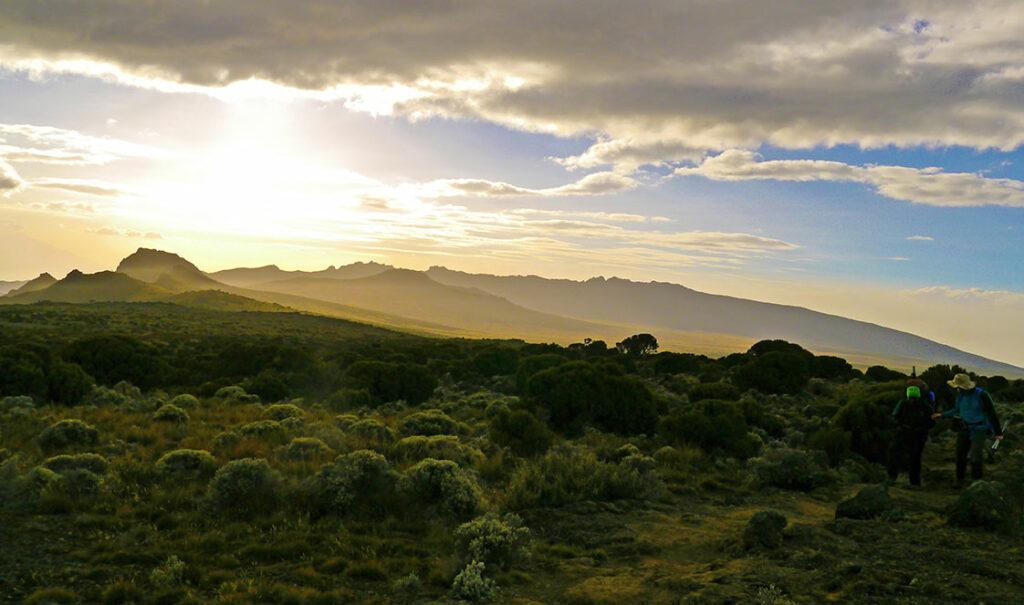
[663,81]
[131,233]
[51,145]
[10,180]
[930,186]
[598,183]
[920,238]
[86,186]
[971,295]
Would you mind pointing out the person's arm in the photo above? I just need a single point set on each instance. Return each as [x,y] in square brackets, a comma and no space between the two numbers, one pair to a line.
[896,410]
[990,410]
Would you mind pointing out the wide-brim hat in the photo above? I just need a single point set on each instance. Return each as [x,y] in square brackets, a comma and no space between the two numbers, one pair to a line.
[961,381]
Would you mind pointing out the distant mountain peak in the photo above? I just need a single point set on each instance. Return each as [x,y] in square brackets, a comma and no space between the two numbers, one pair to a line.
[150,257]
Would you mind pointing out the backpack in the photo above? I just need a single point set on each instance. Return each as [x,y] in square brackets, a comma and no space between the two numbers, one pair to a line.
[915,414]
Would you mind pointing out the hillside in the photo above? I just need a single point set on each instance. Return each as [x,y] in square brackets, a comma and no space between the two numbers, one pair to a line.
[671,306]
[9,286]
[45,280]
[255,277]
[78,287]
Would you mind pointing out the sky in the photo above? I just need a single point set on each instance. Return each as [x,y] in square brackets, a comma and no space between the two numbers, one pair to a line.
[863,159]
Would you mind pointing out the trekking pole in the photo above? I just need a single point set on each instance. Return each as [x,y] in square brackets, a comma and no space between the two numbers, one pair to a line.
[1006,425]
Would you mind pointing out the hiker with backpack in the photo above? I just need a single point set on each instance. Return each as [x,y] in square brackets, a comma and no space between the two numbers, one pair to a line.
[976,421]
[914,420]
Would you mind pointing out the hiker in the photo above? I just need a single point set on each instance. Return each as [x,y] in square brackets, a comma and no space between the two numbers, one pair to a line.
[976,420]
[913,420]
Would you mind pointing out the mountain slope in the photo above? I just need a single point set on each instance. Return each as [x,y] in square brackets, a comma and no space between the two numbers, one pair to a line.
[45,280]
[166,270]
[254,277]
[106,286]
[413,295]
[675,307]
[10,286]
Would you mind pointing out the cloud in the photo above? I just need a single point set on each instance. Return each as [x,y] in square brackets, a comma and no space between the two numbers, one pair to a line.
[51,145]
[10,180]
[930,186]
[115,232]
[598,183]
[970,295]
[920,238]
[650,83]
[86,186]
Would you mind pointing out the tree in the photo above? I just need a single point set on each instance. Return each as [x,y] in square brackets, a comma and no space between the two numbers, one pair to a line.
[883,374]
[638,345]
[775,372]
[833,368]
[712,425]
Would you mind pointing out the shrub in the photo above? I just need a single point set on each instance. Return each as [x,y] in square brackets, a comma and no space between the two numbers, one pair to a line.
[71,488]
[430,422]
[171,413]
[282,411]
[185,401]
[870,502]
[497,541]
[267,430]
[870,425]
[68,383]
[358,482]
[168,574]
[775,372]
[52,596]
[471,584]
[306,448]
[498,361]
[833,368]
[93,463]
[580,393]
[883,374]
[520,431]
[571,474]
[391,381]
[373,431]
[67,433]
[764,530]
[407,587]
[453,490]
[350,399]
[439,447]
[834,441]
[985,504]
[714,390]
[235,395]
[247,486]
[712,425]
[102,397]
[16,406]
[186,464]
[528,366]
[790,469]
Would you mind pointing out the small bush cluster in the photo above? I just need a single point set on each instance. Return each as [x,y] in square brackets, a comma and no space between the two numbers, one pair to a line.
[360,482]
[520,431]
[94,463]
[791,469]
[429,423]
[497,541]
[283,411]
[185,402]
[305,449]
[171,413]
[245,487]
[186,464]
[373,431]
[443,484]
[68,433]
[440,447]
[472,585]
[235,395]
[717,427]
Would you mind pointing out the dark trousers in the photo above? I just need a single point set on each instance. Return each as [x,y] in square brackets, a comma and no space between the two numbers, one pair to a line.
[970,445]
[906,452]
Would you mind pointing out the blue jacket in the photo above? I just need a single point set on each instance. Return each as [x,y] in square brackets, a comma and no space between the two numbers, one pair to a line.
[976,409]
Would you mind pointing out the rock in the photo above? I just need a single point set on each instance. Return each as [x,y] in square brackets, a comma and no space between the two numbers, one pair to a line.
[764,530]
[869,503]
[985,504]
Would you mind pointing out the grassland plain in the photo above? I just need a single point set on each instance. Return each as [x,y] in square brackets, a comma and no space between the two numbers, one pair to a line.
[286,458]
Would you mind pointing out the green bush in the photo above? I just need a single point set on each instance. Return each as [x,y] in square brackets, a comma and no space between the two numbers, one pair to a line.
[883,374]
[186,464]
[282,411]
[714,390]
[497,541]
[580,393]
[171,413]
[52,596]
[235,395]
[68,383]
[93,463]
[439,447]
[472,585]
[68,433]
[391,381]
[245,487]
[360,482]
[497,361]
[868,421]
[350,399]
[571,474]
[442,483]
[775,372]
[373,431]
[528,366]
[102,397]
[430,422]
[306,448]
[520,431]
[168,574]
[266,430]
[714,426]
[790,469]
[185,402]
[834,441]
